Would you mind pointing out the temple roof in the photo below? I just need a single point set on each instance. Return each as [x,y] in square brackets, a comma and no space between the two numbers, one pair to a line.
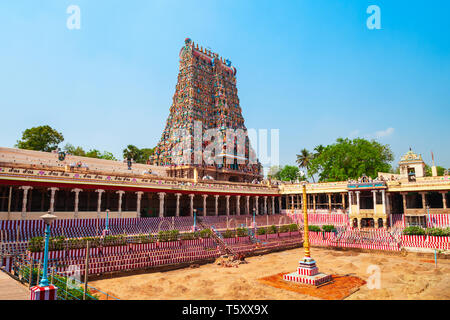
[411,156]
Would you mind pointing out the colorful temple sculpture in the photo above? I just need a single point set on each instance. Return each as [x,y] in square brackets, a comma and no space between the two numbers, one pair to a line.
[205,136]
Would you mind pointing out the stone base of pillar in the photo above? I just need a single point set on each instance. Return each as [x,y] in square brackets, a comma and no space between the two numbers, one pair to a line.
[307,273]
[43,293]
[6,262]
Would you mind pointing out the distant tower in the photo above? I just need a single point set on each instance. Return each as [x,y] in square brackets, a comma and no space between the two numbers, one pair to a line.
[412,166]
[433,167]
[205,98]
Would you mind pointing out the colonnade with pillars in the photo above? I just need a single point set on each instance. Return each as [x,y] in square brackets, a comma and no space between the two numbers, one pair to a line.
[215,205]
[76,200]
[317,202]
[367,200]
[424,199]
[368,208]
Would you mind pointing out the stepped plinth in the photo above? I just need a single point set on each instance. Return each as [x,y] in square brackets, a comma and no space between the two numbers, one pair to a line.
[307,273]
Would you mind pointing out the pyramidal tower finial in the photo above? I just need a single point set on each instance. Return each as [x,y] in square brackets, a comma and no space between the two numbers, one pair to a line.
[205,110]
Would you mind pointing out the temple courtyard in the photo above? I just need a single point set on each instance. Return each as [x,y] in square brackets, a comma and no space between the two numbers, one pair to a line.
[402,277]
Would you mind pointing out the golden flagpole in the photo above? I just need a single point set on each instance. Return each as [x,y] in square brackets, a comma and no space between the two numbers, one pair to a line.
[305,223]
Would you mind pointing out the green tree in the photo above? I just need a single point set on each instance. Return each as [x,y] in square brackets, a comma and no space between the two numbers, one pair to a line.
[107,156]
[139,155]
[76,151]
[350,159]
[304,160]
[289,173]
[94,153]
[429,173]
[41,138]
[318,150]
[146,153]
[274,172]
[395,170]
[133,152]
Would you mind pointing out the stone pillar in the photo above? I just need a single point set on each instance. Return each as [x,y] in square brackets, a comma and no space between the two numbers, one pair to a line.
[405,207]
[265,204]
[357,204]
[273,205]
[30,200]
[424,201]
[191,208]
[343,201]
[77,200]
[247,205]
[216,196]
[138,204]
[292,202]
[350,202]
[24,201]
[388,203]
[329,202]
[314,202]
[389,207]
[238,205]
[228,204]
[204,203]
[177,211]
[99,202]
[444,200]
[161,203]
[52,199]
[374,197]
[119,210]
[256,204]
[279,204]
[383,199]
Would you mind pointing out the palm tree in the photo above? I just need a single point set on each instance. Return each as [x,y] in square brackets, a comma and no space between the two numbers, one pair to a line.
[319,149]
[304,159]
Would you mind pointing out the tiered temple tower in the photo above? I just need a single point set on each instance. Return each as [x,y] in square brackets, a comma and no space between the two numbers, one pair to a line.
[205,98]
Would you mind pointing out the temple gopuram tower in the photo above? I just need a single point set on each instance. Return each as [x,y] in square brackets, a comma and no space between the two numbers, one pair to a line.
[206,99]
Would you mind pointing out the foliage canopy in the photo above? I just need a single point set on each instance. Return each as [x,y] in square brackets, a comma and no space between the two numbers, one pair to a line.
[41,138]
[351,159]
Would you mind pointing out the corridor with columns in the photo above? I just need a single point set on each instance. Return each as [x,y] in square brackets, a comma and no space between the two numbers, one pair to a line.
[29,202]
[320,202]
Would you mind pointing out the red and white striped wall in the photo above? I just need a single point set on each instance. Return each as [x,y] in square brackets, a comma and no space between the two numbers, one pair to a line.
[43,293]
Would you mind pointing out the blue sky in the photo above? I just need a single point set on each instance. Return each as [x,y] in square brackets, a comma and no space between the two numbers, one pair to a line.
[310,68]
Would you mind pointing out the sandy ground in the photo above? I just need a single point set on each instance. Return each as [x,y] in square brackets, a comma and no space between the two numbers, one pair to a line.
[400,278]
[11,289]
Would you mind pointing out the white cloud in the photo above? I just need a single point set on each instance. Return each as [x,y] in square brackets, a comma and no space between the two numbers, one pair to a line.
[377,135]
[384,133]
